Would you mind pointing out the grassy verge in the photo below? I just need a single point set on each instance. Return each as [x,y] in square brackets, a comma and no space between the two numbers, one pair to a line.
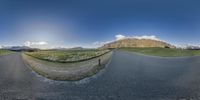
[163,52]
[67,71]
[4,52]
[67,56]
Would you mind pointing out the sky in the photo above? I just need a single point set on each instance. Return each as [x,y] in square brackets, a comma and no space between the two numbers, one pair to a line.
[87,23]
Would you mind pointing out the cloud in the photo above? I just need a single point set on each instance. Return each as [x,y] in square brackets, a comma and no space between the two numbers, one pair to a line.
[152,37]
[38,43]
[119,37]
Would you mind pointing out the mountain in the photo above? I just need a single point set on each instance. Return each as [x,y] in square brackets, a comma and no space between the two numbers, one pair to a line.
[134,42]
[74,48]
[77,48]
[19,48]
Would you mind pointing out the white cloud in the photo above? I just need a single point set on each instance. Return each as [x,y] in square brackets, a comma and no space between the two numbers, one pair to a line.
[119,37]
[152,37]
[38,43]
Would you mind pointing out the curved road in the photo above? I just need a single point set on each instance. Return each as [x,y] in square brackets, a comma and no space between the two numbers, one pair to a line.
[128,76]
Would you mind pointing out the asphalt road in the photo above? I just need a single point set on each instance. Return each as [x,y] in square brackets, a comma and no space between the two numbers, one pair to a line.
[128,76]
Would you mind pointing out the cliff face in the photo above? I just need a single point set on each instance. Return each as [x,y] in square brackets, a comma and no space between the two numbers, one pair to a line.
[137,43]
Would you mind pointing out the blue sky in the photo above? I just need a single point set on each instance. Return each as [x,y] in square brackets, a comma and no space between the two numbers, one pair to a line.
[71,23]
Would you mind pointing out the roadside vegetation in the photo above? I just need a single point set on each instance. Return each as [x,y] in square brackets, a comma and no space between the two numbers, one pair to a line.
[4,52]
[65,56]
[70,65]
[163,52]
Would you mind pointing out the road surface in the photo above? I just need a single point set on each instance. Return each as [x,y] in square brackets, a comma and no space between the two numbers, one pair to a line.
[128,76]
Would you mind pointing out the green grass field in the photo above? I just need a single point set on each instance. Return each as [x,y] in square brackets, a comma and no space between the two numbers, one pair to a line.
[4,52]
[163,52]
[67,55]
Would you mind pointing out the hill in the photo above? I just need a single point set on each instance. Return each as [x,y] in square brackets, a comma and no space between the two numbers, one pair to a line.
[133,42]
